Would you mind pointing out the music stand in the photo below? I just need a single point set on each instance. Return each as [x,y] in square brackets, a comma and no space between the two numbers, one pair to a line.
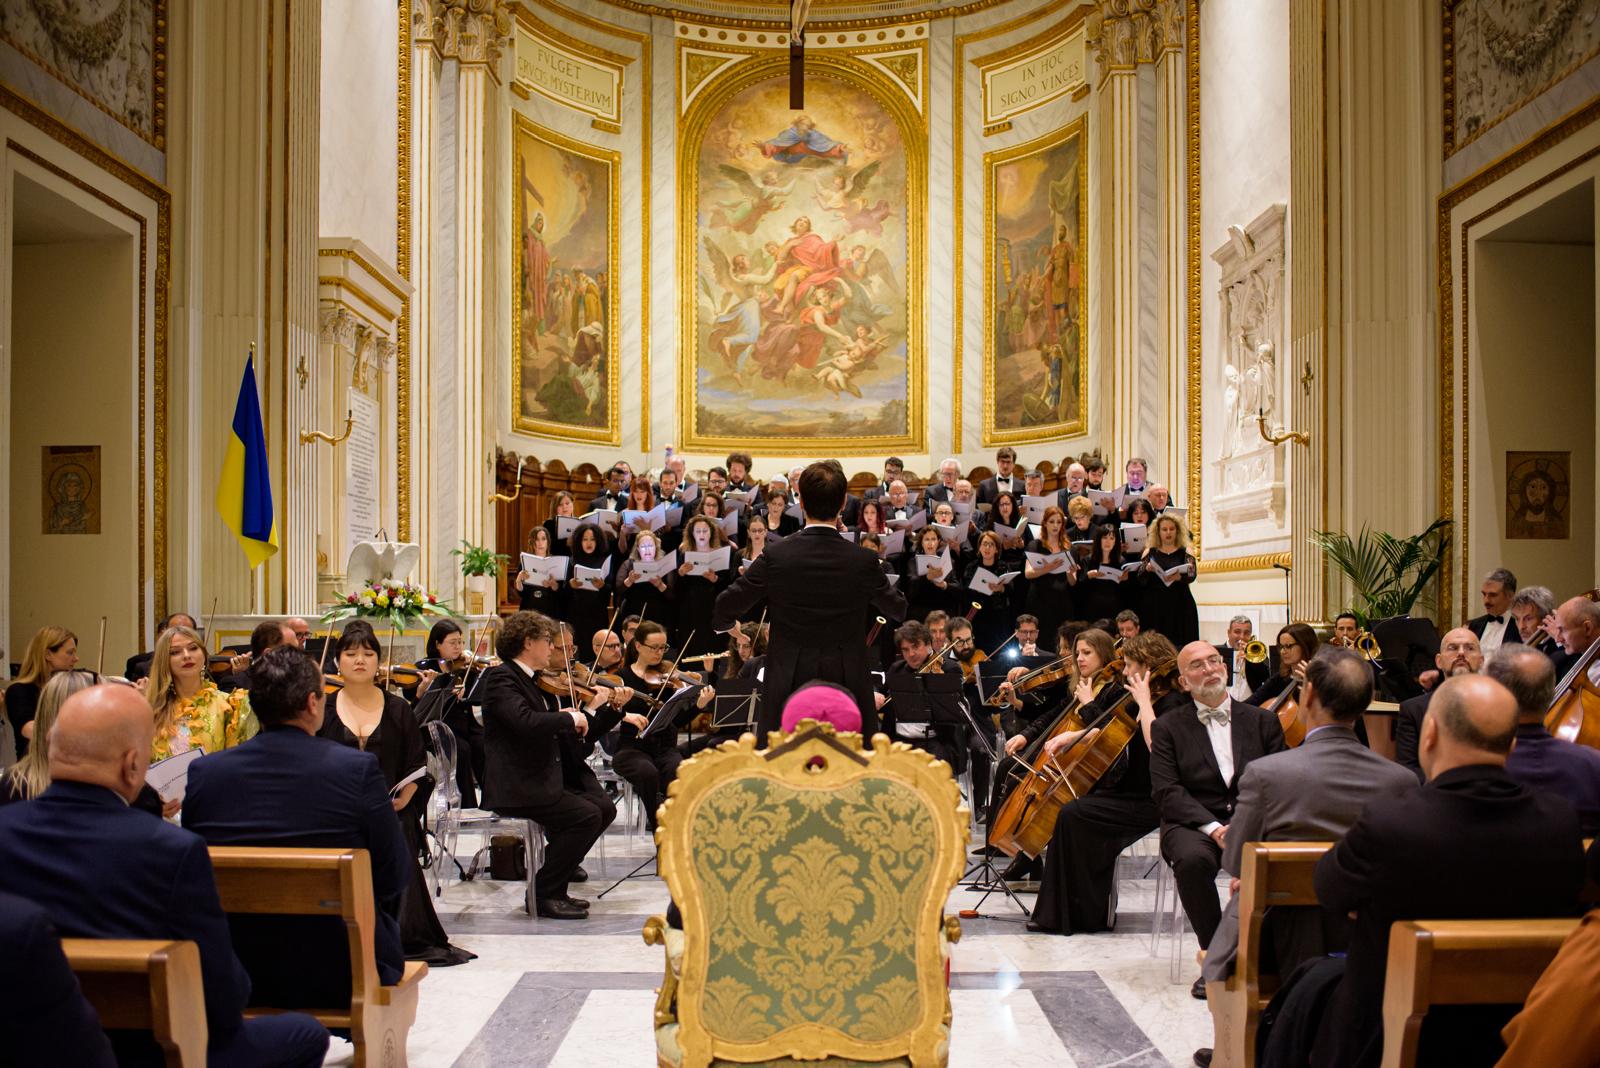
[737,705]
[1411,643]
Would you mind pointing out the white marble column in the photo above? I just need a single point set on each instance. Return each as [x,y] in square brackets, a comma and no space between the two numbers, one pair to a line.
[424,138]
[1172,202]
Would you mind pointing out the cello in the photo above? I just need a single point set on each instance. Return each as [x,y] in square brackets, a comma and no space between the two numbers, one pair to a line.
[1286,706]
[1574,712]
[1027,817]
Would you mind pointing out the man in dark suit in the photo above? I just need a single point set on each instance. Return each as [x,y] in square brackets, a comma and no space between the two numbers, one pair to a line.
[821,591]
[1471,844]
[893,468]
[1197,753]
[1539,761]
[534,769]
[44,1016]
[288,787]
[1076,479]
[916,650]
[1496,627]
[1005,478]
[1458,654]
[614,497]
[1244,678]
[138,665]
[104,870]
[1579,620]
[942,488]
[1311,793]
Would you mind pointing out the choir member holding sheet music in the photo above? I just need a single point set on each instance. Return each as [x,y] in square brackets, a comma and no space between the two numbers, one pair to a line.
[931,577]
[777,514]
[1138,510]
[561,533]
[996,609]
[882,650]
[589,588]
[1051,573]
[1102,585]
[870,520]
[954,533]
[1080,519]
[541,582]
[1167,604]
[647,579]
[706,570]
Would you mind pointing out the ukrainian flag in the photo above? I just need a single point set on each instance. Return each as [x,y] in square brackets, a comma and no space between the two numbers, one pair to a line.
[244,494]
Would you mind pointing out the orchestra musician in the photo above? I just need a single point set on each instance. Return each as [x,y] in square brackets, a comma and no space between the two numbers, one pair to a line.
[50,651]
[538,770]
[1529,609]
[1297,644]
[1077,892]
[1243,676]
[447,658]
[916,658]
[819,590]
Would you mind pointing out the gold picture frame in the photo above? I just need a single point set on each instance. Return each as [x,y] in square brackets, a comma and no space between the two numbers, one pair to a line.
[1076,423]
[708,103]
[608,430]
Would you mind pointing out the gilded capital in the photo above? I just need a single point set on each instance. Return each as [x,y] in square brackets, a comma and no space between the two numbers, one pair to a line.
[1169,24]
[472,31]
[337,325]
[1123,33]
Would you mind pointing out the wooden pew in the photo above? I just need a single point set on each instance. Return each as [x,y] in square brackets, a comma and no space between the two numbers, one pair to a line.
[1459,962]
[1273,874]
[150,986]
[328,882]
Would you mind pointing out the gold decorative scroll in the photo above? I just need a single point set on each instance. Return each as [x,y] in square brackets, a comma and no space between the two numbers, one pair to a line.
[1014,84]
[568,76]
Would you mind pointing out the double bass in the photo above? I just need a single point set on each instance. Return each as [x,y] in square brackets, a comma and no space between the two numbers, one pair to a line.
[1027,817]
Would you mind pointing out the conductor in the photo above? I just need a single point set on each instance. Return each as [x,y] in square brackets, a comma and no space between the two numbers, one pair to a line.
[818,588]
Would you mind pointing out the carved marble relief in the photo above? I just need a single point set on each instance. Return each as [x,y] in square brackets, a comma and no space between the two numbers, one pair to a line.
[1504,53]
[105,50]
[1247,474]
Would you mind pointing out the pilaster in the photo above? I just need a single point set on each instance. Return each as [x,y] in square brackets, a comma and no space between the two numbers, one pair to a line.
[1172,205]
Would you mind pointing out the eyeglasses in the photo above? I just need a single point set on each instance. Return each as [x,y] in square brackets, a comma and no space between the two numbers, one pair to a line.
[655,648]
[1282,646]
[1208,662]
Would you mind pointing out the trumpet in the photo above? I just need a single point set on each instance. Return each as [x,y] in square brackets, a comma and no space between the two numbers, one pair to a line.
[1255,651]
[1367,645]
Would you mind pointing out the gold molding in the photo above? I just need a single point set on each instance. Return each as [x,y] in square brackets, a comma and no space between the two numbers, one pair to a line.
[958,171]
[1490,173]
[402,265]
[1234,564]
[1040,42]
[780,23]
[645,44]
[152,509]
[1449,97]
[1191,46]
[612,159]
[891,95]
[367,265]
[993,435]
[615,62]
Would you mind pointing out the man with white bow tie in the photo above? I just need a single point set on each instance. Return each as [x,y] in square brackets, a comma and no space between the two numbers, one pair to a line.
[1197,753]
[1496,627]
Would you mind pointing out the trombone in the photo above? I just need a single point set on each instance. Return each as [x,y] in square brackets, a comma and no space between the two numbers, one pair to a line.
[1364,643]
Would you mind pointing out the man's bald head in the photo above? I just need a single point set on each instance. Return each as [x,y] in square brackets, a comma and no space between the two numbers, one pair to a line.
[102,736]
[1471,719]
[1459,652]
[1580,623]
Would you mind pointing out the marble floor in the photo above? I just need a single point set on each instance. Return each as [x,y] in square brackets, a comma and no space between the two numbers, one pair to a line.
[579,994]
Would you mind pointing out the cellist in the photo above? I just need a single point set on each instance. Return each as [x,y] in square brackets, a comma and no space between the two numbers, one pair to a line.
[1080,865]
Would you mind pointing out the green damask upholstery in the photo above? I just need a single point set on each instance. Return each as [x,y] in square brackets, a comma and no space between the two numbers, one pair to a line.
[813,904]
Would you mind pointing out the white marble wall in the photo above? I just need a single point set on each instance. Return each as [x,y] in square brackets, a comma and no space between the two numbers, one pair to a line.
[437,487]
[359,133]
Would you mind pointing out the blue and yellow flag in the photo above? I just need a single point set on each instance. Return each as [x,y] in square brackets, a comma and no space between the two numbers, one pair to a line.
[244,493]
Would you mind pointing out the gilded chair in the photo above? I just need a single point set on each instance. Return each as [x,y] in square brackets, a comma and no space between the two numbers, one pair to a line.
[812,877]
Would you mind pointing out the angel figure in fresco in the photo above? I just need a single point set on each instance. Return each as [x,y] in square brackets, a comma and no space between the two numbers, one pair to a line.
[787,343]
[803,141]
[870,277]
[759,199]
[837,375]
[738,324]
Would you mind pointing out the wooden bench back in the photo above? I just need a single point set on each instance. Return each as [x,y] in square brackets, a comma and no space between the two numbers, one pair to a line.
[1459,962]
[306,882]
[141,985]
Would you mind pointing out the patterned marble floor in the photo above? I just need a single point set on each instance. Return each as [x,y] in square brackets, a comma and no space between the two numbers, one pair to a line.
[580,994]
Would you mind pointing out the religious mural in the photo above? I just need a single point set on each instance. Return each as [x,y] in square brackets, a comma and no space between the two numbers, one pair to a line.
[1036,262]
[798,326]
[563,311]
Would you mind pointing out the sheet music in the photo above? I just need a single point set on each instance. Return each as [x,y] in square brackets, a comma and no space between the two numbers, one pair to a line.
[1106,573]
[1135,536]
[170,777]
[603,517]
[894,543]
[594,577]
[1170,575]
[1006,533]
[1034,507]
[394,791]
[715,560]
[988,583]
[655,518]
[1104,503]
[565,525]
[1041,560]
[542,567]
[729,524]
[948,535]
[942,562]
[644,570]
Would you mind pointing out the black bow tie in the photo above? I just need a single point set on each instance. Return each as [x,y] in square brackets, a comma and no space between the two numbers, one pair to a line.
[1495,619]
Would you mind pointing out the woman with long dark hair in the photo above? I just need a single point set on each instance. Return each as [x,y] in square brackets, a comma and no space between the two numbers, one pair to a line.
[588,603]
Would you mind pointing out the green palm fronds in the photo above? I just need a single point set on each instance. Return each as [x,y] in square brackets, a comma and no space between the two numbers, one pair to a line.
[1387,573]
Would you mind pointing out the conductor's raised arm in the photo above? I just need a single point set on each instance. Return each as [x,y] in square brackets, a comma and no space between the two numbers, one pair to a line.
[747,592]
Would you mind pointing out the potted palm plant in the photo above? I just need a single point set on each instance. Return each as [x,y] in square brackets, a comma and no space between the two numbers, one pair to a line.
[1388,574]
[480,568]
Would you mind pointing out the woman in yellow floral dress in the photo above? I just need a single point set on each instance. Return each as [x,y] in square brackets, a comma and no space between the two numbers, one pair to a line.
[190,712]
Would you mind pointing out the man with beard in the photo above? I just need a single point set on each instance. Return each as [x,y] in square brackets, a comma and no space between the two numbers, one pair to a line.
[1459,654]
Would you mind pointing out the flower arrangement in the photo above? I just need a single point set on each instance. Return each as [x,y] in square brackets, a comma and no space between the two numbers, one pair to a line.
[401,604]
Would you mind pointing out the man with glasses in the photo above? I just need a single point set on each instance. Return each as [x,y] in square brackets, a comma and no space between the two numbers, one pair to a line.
[1197,753]
[607,650]
[1459,654]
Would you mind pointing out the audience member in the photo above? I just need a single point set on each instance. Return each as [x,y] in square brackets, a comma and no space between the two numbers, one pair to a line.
[103,870]
[825,702]
[190,712]
[44,1015]
[1539,761]
[30,776]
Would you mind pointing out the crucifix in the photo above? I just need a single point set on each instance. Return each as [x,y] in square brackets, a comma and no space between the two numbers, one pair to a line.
[798,9]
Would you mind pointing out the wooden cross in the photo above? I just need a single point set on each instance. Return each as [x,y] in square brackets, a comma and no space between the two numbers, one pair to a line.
[798,9]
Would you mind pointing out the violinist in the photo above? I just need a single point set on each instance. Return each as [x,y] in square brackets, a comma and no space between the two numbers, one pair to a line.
[606,645]
[540,593]
[539,772]
[1297,644]
[648,764]
[917,657]
[993,620]
[964,650]
[1080,865]
[649,597]
[447,659]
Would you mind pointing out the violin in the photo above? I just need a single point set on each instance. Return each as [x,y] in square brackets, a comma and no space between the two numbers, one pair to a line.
[405,676]
[222,663]
[1055,671]
[1027,818]
[969,666]
[673,676]
[332,683]
[1286,706]
[563,684]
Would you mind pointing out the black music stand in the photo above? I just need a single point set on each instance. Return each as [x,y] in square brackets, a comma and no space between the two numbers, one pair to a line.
[674,706]
[737,705]
[1406,647]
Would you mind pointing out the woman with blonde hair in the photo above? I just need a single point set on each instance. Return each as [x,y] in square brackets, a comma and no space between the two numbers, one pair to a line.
[51,651]
[1167,604]
[29,776]
[190,712]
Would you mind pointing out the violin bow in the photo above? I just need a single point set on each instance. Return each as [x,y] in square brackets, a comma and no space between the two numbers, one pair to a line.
[100,661]
[210,618]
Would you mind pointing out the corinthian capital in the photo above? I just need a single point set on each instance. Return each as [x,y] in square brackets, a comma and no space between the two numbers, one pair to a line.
[1123,33]
[1169,23]
[472,31]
